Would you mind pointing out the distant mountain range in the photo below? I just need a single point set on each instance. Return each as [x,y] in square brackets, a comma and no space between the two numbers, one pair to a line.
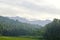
[36,22]
[10,27]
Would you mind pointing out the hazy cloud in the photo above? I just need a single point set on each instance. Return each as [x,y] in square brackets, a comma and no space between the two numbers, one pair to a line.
[38,8]
[33,8]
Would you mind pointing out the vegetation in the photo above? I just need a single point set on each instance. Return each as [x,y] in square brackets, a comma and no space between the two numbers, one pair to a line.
[15,30]
[15,38]
[9,27]
[52,31]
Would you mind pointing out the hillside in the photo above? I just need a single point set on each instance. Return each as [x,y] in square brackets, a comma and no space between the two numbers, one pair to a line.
[15,28]
[35,22]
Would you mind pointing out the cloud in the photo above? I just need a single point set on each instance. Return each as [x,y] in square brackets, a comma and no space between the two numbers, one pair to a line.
[33,7]
[38,9]
[48,9]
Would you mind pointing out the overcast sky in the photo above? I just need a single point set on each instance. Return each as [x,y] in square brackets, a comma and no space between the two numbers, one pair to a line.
[31,9]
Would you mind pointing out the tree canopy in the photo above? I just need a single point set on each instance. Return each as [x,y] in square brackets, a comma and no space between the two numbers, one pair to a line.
[52,31]
[10,27]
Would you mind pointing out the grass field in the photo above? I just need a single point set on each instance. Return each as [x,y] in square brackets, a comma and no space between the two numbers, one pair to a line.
[16,38]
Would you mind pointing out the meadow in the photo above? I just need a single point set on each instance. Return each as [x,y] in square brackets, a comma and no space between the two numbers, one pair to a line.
[17,38]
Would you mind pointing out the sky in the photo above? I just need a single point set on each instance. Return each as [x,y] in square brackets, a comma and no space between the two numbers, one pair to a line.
[31,9]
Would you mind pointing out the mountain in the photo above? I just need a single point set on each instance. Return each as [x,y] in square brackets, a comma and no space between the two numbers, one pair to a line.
[36,22]
[23,20]
[40,22]
[12,27]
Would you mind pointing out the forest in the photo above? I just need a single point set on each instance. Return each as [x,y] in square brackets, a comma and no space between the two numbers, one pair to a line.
[13,28]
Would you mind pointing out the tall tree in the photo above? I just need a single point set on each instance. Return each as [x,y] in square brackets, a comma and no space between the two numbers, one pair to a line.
[52,31]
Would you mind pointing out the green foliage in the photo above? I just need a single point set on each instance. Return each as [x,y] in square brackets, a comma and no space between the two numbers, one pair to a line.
[9,27]
[52,31]
[15,38]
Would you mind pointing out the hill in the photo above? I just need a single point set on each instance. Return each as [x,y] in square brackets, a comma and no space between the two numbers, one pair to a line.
[35,22]
[10,27]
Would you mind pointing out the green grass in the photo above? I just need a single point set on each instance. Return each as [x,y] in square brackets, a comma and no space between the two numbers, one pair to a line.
[16,38]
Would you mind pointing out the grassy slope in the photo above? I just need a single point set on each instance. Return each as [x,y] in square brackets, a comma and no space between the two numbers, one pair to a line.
[16,38]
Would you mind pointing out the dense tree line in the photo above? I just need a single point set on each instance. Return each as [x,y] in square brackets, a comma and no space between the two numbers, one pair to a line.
[52,30]
[9,27]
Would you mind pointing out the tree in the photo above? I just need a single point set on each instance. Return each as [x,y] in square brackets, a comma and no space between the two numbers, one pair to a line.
[52,31]
[10,27]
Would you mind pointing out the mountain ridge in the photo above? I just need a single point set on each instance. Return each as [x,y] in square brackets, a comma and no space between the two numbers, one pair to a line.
[36,22]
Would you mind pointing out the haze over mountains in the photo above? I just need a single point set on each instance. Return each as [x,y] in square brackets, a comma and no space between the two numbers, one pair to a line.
[15,28]
[37,22]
